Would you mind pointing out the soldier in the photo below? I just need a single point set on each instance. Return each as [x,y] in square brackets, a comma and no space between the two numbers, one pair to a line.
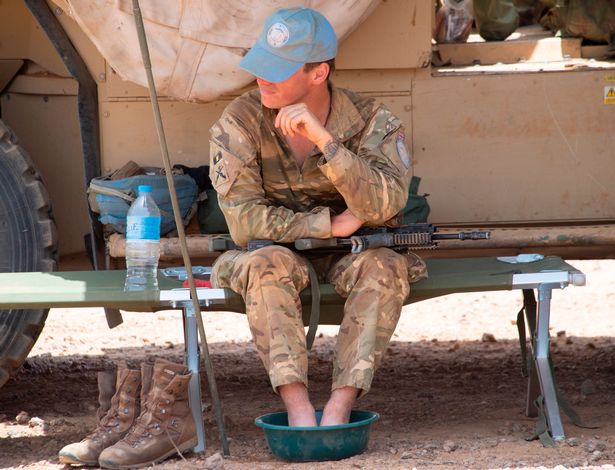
[299,158]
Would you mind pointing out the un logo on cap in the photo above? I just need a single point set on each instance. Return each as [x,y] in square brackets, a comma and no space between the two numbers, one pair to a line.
[278,35]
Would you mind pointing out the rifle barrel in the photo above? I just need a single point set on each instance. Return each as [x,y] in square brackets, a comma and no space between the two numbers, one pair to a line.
[462,236]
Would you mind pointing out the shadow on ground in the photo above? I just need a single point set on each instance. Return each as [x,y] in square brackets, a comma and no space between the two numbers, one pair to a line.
[444,404]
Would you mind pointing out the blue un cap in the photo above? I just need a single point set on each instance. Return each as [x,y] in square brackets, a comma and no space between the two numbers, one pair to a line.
[290,38]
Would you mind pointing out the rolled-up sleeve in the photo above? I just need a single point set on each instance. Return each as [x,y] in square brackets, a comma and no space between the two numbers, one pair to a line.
[236,175]
[374,181]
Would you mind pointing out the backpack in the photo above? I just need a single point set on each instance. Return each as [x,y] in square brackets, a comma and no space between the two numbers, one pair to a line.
[112,198]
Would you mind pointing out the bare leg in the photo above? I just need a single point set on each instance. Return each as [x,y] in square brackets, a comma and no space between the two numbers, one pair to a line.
[297,402]
[337,410]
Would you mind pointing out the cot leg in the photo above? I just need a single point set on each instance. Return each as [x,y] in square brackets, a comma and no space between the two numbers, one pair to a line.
[533,384]
[193,365]
[541,362]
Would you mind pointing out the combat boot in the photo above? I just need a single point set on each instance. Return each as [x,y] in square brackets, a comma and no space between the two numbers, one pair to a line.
[164,427]
[113,422]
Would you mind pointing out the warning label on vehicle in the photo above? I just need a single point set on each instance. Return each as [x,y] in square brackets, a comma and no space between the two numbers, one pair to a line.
[609,94]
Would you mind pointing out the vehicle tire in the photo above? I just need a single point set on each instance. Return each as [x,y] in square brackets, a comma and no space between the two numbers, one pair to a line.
[28,242]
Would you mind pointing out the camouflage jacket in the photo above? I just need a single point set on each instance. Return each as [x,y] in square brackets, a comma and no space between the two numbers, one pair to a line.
[265,195]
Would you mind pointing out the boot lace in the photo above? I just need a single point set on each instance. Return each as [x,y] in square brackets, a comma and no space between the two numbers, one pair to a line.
[147,420]
[140,429]
[110,421]
[107,425]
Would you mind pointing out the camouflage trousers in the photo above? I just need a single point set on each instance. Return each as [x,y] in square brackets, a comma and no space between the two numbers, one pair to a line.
[375,284]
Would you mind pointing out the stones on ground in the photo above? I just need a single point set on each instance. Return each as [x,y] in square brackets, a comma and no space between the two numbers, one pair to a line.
[38,422]
[573,441]
[561,334]
[406,455]
[449,446]
[22,418]
[214,462]
[488,338]
[596,455]
[593,446]
[569,341]
[588,387]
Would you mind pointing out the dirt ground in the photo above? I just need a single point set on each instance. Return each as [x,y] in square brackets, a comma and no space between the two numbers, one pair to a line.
[446,398]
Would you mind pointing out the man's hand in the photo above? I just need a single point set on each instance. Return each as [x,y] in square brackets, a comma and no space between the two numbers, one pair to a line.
[344,224]
[298,119]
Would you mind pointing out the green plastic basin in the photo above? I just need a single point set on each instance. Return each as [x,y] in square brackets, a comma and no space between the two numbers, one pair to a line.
[313,443]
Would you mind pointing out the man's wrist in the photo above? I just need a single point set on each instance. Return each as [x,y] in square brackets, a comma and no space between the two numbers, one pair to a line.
[322,139]
[330,148]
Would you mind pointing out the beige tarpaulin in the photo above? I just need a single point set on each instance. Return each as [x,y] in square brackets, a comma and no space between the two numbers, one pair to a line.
[195,45]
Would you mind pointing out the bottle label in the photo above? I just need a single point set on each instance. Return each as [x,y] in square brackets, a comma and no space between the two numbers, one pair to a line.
[143,228]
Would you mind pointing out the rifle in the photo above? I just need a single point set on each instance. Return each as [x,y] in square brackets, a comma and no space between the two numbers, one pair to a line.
[411,236]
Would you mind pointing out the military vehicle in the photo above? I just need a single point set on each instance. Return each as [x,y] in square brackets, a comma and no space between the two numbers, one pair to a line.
[515,136]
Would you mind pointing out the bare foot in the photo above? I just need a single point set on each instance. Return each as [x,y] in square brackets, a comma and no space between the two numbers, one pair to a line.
[338,408]
[297,401]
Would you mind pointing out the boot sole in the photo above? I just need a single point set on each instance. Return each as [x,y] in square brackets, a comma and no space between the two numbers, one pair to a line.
[185,447]
[69,459]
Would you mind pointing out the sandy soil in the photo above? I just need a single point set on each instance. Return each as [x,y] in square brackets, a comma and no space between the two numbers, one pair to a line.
[447,399]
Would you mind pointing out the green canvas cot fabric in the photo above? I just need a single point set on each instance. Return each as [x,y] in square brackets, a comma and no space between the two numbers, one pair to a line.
[106,288]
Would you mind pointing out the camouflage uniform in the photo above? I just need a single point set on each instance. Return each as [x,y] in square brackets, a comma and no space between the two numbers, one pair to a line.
[265,195]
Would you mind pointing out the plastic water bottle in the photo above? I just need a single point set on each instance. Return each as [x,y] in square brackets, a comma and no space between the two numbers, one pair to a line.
[142,242]
[454,21]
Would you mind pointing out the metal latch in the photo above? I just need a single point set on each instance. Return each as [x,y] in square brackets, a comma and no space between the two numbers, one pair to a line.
[180,273]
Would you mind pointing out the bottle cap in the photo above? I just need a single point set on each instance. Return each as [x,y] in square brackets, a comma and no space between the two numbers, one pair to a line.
[145,188]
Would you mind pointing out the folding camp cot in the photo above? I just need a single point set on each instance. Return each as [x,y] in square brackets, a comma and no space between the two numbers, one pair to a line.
[446,276]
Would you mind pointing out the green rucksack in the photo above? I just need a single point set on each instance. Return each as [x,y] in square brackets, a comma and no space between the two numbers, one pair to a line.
[417,208]
[495,19]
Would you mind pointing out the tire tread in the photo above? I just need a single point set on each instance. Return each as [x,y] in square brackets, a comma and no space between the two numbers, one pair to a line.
[24,330]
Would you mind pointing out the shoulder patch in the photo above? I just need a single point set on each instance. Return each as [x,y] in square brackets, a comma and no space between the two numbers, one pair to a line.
[224,170]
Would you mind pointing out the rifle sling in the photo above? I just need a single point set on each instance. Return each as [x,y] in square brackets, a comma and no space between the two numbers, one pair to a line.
[315,309]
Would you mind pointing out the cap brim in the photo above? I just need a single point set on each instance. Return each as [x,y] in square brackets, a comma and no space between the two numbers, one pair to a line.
[263,64]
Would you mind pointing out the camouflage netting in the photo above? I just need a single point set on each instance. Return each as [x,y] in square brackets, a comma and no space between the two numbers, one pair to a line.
[195,45]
